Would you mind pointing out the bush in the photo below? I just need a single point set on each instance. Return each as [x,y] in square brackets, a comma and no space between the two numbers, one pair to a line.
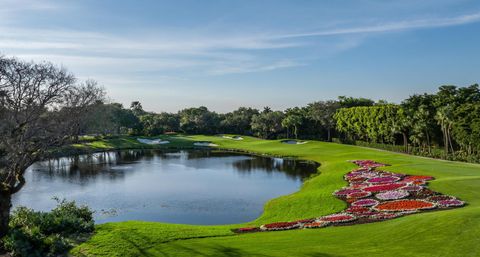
[35,234]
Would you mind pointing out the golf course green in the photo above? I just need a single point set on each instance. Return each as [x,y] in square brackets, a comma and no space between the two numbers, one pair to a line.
[453,232]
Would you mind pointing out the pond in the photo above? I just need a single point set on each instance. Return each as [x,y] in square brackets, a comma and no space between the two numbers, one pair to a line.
[190,187]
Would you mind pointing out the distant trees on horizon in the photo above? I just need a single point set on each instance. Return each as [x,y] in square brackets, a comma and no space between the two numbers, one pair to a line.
[423,123]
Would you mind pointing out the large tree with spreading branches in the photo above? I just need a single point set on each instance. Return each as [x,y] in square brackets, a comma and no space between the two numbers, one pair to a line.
[42,107]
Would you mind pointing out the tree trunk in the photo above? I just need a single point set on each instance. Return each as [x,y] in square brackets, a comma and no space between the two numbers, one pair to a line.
[428,142]
[450,140]
[445,140]
[5,205]
[405,142]
[329,135]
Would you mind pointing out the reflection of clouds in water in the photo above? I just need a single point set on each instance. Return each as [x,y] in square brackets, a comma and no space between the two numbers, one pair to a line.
[121,168]
[208,205]
[176,165]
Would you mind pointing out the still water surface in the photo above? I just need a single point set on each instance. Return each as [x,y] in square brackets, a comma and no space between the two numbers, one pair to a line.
[191,187]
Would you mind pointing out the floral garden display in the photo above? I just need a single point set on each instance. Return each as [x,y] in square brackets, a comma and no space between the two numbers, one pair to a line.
[404,205]
[392,195]
[339,217]
[280,226]
[374,195]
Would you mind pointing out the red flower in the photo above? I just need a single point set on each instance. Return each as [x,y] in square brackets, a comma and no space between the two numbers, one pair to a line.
[249,229]
[385,187]
[404,205]
[417,178]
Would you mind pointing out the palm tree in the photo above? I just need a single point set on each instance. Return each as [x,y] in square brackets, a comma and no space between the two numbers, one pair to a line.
[445,122]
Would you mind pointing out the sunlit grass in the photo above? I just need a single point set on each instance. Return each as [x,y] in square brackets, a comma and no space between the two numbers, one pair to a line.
[440,233]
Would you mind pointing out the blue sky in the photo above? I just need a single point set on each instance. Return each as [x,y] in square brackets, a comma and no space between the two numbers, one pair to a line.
[225,54]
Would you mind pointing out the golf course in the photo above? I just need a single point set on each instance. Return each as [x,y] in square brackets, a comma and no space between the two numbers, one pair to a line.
[450,232]
[239,128]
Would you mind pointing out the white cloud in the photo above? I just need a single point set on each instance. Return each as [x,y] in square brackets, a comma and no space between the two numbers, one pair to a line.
[393,26]
[249,67]
[206,53]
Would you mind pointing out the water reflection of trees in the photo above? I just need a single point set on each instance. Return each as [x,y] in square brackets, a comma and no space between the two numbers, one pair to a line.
[115,164]
[292,168]
[82,168]
[200,154]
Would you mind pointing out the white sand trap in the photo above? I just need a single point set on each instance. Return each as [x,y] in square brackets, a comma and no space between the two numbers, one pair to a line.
[294,142]
[152,142]
[233,138]
[204,144]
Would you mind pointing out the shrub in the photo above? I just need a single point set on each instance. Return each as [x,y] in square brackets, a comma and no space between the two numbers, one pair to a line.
[51,233]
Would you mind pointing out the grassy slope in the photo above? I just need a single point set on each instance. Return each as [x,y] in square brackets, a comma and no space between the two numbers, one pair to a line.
[440,233]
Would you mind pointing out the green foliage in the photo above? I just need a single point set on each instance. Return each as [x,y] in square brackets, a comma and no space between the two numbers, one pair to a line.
[347,102]
[466,128]
[156,124]
[238,121]
[292,121]
[322,112]
[137,109]
[421,123]
[52,233]
[268,124]
[373,123]
[111,119]
[199,121]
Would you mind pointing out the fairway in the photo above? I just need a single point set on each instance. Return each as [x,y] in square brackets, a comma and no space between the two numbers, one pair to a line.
[440,233]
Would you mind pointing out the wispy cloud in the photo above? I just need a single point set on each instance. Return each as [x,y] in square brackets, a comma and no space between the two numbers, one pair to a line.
[16,5]
[392,26]
[208,53]
[249,67]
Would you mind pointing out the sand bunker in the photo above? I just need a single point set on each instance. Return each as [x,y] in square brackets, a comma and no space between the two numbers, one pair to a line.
[294,142]
[234,137]
[204,144]
[152,142]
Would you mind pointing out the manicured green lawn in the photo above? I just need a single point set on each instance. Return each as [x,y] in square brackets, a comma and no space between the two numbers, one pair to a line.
[453,232]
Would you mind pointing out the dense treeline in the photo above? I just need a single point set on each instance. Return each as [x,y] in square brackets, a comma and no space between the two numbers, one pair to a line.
[445,124]
[314,121]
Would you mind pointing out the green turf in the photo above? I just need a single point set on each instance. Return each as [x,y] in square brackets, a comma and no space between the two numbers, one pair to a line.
[453,232]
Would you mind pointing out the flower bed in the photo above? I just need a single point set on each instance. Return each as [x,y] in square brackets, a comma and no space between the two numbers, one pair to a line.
[248,229]
[384,187]
[365,202]
[396,195]
[339,218]
[345,192]
[385,179]
[368,164]
[412,188]
[450,203]
[316,224]
[383,216]
[416,178]
[280,226]
[392,195]
[357,186]
[424,193]
[436,198]
[361,194]
[358,210]
[306,221]
[404,205]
